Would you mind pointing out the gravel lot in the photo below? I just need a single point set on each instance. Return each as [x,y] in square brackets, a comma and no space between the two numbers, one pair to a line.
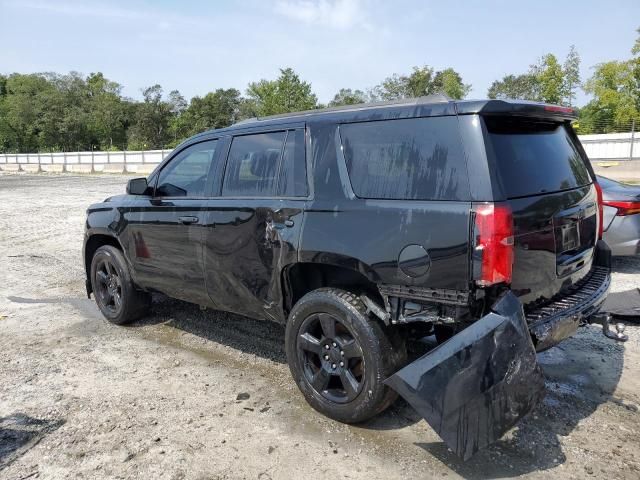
[159,399]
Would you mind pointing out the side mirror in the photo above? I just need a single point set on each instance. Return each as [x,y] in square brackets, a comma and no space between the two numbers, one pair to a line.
[137,186]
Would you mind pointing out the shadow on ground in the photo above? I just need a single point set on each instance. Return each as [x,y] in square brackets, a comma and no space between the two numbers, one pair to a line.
[19,433]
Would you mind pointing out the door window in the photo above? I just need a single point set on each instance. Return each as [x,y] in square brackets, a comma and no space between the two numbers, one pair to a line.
[186,174]
[267,165]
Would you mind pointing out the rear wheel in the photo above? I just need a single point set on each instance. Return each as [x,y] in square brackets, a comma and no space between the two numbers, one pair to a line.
[115,294]
[339,356]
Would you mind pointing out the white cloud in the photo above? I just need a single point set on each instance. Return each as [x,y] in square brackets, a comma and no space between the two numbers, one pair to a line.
[339,14]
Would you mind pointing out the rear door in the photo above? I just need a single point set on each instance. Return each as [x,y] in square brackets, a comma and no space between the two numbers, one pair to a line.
[547,183]
[253,227]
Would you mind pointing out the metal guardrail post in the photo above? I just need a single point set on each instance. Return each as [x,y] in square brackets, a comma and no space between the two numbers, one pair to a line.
[633,134]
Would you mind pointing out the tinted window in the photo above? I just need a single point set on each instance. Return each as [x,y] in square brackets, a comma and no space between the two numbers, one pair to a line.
[293,173]
[417,159]
[535,157]
[252,167]
[186,174]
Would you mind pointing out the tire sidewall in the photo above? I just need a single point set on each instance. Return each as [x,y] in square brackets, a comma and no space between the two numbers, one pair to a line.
[115,258]
[372,341]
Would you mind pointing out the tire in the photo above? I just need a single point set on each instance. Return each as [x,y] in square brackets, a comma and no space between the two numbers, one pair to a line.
[114,291]
[370,353]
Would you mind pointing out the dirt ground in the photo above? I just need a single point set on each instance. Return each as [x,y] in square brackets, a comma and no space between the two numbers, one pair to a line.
[82,398]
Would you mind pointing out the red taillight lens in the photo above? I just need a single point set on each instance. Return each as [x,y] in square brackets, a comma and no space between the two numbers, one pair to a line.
[558,108]
[624,208]
[493,244]
[600,212]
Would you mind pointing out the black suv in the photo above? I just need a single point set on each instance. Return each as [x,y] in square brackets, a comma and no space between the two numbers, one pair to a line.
[364,227]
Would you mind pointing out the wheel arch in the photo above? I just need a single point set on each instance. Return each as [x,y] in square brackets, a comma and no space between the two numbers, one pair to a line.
[300,278]
[91,245]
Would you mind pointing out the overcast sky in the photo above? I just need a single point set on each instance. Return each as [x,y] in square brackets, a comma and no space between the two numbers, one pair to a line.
[198,46]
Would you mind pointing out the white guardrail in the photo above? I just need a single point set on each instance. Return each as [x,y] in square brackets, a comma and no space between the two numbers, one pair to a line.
[613,148]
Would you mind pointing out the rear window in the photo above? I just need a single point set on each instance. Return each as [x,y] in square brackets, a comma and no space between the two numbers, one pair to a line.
[534,157]
[406,159]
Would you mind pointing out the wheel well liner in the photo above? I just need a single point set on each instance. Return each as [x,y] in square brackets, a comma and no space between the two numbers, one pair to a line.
[301,278]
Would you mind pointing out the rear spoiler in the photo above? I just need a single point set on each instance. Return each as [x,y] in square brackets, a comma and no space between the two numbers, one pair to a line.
[520,108]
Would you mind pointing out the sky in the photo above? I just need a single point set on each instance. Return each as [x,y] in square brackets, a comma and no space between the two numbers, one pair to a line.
[199,46]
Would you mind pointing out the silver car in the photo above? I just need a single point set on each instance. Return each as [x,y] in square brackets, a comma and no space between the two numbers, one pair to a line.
[621,216]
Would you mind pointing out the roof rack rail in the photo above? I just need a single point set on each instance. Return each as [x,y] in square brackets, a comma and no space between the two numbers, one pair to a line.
[433,98]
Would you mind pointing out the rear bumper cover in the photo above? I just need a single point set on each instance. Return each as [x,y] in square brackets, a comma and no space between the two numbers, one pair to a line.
[478,384]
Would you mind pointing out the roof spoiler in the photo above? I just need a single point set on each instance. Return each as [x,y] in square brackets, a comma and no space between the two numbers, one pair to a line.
[521,108]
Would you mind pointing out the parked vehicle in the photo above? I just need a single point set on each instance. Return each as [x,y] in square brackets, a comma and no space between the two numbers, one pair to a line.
[478,221]
[621,216]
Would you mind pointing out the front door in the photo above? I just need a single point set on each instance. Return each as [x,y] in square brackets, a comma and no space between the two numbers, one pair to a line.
[166,232]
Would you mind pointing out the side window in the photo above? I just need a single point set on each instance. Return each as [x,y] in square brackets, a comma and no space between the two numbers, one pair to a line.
[293,172]
[252,166]
[186,174]
[414,159]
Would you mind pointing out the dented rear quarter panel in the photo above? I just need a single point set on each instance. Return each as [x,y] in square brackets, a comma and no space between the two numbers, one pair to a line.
[368,235]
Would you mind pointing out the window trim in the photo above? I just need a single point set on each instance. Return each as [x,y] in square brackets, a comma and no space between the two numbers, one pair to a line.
[208,189]
[272,129]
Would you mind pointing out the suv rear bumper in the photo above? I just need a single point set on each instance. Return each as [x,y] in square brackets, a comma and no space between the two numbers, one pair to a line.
[559,319]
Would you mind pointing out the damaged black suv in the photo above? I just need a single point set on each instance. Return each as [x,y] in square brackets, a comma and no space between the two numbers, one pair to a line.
[358,227]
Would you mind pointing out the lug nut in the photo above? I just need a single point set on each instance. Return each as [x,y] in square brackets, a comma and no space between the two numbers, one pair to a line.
[327,346]
[333,365]
[342,353]
[326,357]
[342,364]
[334,344]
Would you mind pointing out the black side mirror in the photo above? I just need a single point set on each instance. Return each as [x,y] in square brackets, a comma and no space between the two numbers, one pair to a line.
[137,186]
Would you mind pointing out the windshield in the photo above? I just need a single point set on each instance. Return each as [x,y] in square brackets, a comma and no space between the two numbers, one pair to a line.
[534,157]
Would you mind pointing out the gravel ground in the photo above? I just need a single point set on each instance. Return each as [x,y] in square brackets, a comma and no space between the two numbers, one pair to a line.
[192,394]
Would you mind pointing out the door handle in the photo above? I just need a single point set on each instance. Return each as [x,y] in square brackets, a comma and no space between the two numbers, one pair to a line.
[289,223]
[188,220]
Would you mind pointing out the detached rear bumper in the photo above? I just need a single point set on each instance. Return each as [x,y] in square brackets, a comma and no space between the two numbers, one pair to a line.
[559,319]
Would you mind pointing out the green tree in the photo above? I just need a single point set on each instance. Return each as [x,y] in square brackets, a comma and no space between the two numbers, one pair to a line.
[571,70]
[215,110]
[420,82]
[550,77]
[152,117]
[108,114]
[615,98]
[287,93]
[520,87]
[346,96]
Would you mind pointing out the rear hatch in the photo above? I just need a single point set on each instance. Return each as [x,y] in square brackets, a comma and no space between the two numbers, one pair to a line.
[547,184]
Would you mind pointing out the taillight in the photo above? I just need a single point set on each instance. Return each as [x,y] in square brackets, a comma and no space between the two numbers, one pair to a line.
[624,208]
[600,212]
[493,249]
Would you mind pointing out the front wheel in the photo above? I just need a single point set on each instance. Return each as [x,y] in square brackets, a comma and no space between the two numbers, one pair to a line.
[115,293]
[339,356]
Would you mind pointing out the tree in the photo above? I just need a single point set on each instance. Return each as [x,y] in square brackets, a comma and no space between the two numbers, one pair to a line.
[420,82]
[287,93]
[520,87]
[108,116]
[571,70]
[215,110]
[150,128]
[615,102]
[346,96]
[550,77]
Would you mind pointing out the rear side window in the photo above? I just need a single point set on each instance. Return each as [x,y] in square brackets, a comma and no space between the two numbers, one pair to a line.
[267,165]
[409,159]
[534,157]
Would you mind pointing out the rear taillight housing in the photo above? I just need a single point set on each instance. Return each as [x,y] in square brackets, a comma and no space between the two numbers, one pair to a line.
[493,244]
[624,208]
[600,212]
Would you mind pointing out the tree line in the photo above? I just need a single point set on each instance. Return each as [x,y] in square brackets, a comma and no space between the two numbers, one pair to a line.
[70,112]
